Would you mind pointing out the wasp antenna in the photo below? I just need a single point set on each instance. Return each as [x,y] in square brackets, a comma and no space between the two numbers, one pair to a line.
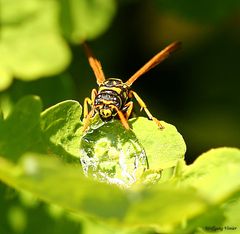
[158,58]
[95,64]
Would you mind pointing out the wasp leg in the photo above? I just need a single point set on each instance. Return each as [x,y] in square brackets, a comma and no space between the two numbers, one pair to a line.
[129,107]
[144,107]
[86,114]
[86,120]
[122,118]
[89,102]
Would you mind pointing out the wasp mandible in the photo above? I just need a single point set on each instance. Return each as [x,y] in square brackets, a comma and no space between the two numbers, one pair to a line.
[114,97]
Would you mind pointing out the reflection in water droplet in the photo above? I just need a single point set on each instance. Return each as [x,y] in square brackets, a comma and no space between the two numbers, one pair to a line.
[112,154]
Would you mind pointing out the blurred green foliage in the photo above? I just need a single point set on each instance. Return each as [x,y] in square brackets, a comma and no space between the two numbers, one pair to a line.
[197,89]
[31,44]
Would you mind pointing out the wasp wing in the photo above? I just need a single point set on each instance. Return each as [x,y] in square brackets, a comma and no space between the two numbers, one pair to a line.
[95,64]
[158,58]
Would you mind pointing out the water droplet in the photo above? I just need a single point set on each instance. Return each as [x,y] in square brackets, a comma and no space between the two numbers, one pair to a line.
[112,154]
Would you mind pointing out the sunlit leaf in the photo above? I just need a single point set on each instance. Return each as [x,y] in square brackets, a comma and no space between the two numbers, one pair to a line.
[5,79]
[31,45]
[164,147]
[41,176]
[232,221]
[215,174]
[61,128]
[20,131]
[84,19]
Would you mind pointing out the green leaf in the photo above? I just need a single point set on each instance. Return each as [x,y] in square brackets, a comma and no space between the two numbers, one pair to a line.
[6,104]
[164,148]
[60,125]
[1,116]
[232,222]
[31,45]
[215,174]
[166,207]
[5,78]
[20,131]
[41,176]
[84,19]
[162,206]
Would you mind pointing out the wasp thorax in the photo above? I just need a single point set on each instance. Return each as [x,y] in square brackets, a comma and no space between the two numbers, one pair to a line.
[113,82]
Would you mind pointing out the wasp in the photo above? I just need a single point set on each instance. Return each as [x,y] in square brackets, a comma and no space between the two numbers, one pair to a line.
[113,99]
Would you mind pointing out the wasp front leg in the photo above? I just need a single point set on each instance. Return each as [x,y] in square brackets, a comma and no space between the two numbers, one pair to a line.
[129,108]
[144,107]
[86,114]
[89,102]
[122,118]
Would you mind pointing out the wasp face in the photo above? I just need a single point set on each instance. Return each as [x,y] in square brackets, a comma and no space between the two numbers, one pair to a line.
[106,112]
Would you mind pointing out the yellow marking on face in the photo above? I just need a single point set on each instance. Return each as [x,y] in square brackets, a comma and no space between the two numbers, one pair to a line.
[105,113]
